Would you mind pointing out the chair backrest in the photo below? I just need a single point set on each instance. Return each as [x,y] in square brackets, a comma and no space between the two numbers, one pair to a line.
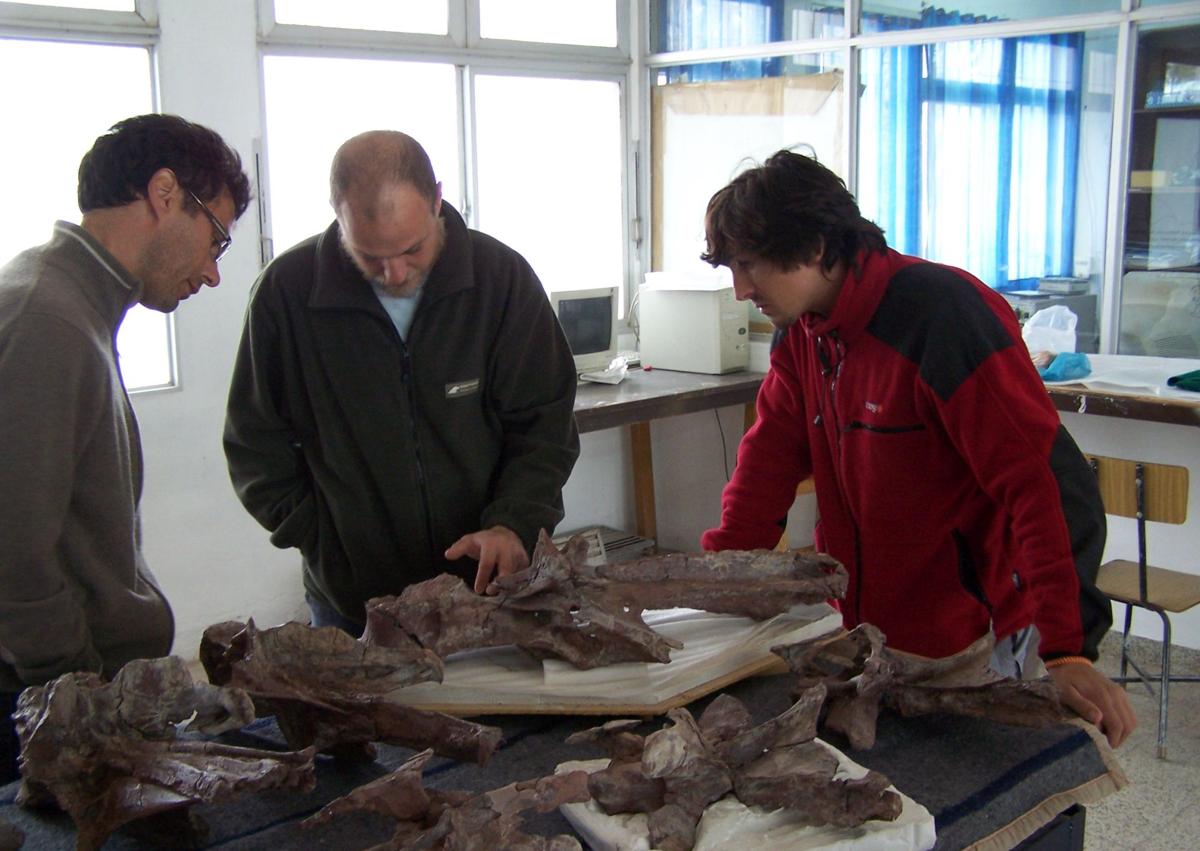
[1166,488]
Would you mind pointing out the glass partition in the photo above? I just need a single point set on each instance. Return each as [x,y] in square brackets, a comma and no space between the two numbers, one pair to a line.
[890,15]
[1160,284]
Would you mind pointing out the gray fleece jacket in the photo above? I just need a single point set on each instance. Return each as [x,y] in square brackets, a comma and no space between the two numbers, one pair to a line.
[75,592]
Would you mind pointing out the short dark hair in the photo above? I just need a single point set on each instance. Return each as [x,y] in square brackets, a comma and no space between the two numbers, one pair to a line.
[117,169]
[784,211]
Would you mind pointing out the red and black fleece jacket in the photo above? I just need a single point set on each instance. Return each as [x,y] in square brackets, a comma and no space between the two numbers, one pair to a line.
[945,481]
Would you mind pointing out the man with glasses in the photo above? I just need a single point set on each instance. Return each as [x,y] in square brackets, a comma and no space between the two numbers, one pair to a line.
[158,196]
[402,400]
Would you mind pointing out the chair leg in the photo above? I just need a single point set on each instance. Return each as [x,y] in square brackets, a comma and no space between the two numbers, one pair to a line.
[1161,750]
[1125,641]
[1127,662]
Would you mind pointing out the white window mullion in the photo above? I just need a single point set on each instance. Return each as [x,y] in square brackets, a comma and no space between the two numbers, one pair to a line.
[466,139]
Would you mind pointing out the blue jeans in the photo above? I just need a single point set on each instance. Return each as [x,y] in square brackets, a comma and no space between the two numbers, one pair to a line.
[1011,656]
[325,615]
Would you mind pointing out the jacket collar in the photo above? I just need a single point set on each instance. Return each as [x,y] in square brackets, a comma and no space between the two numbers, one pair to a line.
[861,292]
[339,283]
[116,288]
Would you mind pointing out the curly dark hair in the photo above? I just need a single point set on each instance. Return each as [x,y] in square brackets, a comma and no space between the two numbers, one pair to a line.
[784,211]
[122,161]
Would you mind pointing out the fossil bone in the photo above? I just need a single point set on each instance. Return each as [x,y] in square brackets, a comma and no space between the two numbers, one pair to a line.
[591,615]
[332,691]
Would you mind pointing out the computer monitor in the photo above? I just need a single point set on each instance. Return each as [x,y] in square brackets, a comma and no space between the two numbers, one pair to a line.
[589,320]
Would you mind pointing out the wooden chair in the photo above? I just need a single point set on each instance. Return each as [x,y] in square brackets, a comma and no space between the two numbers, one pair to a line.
[1159,493]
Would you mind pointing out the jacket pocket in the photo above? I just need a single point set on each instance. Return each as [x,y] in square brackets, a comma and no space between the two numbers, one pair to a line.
[968,575]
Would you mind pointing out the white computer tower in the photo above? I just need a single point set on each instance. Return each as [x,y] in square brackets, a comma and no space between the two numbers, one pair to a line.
[692,325]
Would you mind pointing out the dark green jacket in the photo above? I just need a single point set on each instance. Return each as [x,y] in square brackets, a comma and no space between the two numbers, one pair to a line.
[373,455]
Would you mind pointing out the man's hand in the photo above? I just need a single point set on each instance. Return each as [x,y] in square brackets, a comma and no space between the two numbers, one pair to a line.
[1097,699]
[498,550]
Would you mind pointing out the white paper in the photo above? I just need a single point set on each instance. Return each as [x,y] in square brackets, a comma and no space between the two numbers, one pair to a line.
[1145,376]
[714,646]
[728,823]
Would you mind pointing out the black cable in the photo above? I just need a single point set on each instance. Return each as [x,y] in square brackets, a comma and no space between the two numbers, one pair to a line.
[724,448]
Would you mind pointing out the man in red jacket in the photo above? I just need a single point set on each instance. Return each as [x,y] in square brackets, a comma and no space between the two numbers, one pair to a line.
[945,481]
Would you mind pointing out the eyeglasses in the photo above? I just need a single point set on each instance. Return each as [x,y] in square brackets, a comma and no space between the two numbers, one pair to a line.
[221,238]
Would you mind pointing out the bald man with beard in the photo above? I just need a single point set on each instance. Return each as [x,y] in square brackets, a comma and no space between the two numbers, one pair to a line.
[402,402]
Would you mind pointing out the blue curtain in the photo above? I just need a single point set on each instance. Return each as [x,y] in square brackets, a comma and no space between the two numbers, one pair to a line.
[968,150]
[697,24]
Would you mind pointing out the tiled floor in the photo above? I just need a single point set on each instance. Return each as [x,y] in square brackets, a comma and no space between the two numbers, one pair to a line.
[1160,808]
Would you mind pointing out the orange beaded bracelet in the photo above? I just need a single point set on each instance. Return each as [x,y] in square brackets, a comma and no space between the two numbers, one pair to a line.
[1069,660]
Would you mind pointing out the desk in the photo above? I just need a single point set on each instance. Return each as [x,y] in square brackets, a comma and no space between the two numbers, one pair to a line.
[647,395]
[1132,388]
[981,781]
[1126,405]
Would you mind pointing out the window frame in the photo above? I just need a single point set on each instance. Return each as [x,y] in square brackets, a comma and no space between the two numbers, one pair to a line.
[462,35]
[66,23]
[471,55]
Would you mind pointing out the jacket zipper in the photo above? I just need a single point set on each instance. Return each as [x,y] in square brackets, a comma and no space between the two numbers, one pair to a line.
[406,380]
[833,370]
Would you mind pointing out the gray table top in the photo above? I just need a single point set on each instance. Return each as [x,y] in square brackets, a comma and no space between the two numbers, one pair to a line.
[655,393]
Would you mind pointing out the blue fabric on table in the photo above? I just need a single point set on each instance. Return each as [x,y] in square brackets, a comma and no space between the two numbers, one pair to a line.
[1066,366]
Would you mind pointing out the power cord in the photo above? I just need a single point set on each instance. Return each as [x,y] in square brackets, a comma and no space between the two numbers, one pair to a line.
[724,446]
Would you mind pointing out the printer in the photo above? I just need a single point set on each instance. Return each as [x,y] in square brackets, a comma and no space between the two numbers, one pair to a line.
[691,322]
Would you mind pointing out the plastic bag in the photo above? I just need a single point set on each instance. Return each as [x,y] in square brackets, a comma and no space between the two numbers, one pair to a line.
[1051,329]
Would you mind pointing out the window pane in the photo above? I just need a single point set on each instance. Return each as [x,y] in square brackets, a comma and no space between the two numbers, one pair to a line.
[713,129]
[592,22]
[696,24]
[985,154]
[41,166]
[885,15]
[106,5]
[1160,284]
[300,149]
[553,190]
[427,16]
[144,347]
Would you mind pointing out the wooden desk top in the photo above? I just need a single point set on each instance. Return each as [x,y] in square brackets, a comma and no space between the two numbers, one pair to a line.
[653,394]
[1130,406]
